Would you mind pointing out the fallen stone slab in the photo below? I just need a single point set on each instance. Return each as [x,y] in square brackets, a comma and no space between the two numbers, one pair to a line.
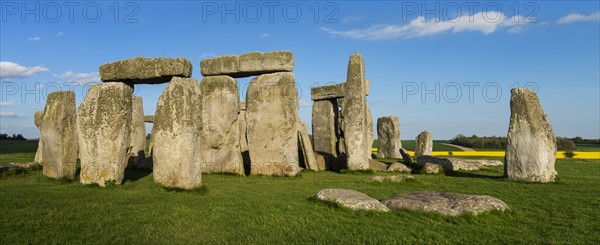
[141,70]
[305,145]
[392,178]
[248,64]
[450,204]
[431,168]
[351,199]
[399,167]
[457,164]
[406,157]
[377,166]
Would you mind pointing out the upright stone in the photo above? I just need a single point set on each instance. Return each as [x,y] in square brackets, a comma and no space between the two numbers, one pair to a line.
[59,135]
[272,121]
[324,120]
[310,159]
[176,135]
[423,144]
[220,131]
[138,132]
[37,120]
[354,110]
[388,134]
[531,149]
[104,131]
[369,133]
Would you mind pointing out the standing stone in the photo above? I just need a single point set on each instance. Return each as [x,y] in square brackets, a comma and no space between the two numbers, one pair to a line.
[38,123]
[423,144]
[176,135]
[59,135]
[369,133]
[138,132]
[220,132]
[354,110]
[104,130]
[531,149]
[310,159]
[388,134]
[272,121]
[324,120]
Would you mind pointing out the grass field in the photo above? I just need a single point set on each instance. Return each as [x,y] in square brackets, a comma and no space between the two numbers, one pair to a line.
[281,210]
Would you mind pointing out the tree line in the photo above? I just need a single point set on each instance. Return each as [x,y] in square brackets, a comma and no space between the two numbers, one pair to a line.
[13,137]
[495,142]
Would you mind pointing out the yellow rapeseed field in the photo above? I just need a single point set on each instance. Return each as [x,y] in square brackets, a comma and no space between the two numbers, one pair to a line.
[560,154]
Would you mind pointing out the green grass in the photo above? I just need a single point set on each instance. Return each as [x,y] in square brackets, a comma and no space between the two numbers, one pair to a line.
[236,210]
[18,146]
[587,147]
[410,145]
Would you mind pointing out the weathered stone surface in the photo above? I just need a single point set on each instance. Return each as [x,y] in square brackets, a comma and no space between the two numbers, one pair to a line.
[456,164]
[310,160]
[243,128]
[355,111]
[392,178]
[249,64]
[142,70]
[430,168]
[272,124]
[423,144]
[351,199]
[324,125]
[531,149]
[220,131]
[388,135]
[176,135]
[405,156]
[376,165]
[450,204]
[37,120]
[369,133]
[322,162]
[332,91]
[399,167]
[138,133]
[58,133]
[104,130]
[149,118]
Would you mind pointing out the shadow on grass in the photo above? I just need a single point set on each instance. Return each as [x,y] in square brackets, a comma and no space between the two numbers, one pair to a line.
[471,175]
[135,174]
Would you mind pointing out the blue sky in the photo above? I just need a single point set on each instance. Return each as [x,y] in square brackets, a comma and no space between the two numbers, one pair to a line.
[413,51]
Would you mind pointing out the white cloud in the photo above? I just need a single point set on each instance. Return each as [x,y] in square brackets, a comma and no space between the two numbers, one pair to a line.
[484,22]
[6,103]
[6,114]
[34,39]
[60,33]
[265,35]
[304,103]
[10,69]
[80,79]
[515,30]
[206,55]
[576,17]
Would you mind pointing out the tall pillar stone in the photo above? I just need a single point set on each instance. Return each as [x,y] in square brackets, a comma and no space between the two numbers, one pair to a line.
[59,135]
[138,132]
[308,154]
[220,130]
[355,111]
[272,121]
[531,149]
[423,144]
[176,135]
[104,131]
[388,134]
